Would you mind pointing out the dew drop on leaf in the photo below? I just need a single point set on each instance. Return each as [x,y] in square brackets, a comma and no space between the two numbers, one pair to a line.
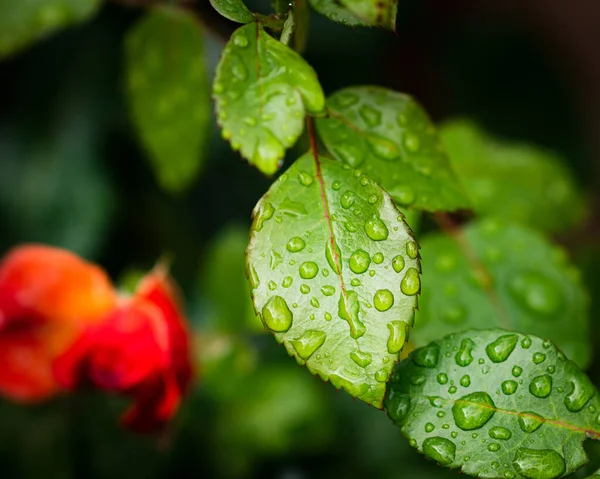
[539,464]
[277,315]
[473,411]
[398,263]
[360,261]
[440,449]
[499,350]
[426,357]
[383,300]
[376,229]
[308,343]
[541,386]
[530,421]
[410,284]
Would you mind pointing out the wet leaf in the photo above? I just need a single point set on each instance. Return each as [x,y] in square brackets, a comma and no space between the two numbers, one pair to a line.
[502,275]
[234,10]
[168,94]
[514,181]
[24,22]
[335,274]
[263,90]
[389,136]
[486,401]
[359,12]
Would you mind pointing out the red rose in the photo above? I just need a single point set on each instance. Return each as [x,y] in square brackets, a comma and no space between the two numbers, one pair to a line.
[141,349]
[47,295]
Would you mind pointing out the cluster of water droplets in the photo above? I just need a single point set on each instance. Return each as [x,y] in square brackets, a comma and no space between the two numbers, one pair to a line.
[511,454]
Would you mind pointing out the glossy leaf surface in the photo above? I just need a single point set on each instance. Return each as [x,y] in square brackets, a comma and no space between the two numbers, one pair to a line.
[390,137]
[168,94]
[517,182]
[336,12]
[497,404]
[263,90]
[502,275]
[24,22]
[335,274]
[359,12]
[234,10]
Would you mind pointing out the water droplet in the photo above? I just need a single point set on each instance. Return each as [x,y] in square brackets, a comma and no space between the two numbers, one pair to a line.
[272,285]
[463,356]
[440,449]
[315,302]
[410,284]
[384,149]
[277,315]
[381,376]
[328,290]
[412,250]
[295,245]
[336,185]
[465,381]
[252,276]
[238,69]
[349,154]
[287,282]
[539,358]
[418,380]
[452,389]
[442,378]
[397,336]
[305,179]
[348,309]
[370,115]
[325,272]
[308,270]
[265,212]
[516,371]
[376,229]
[404,194]
[536,292]
[526,343]
[372,273]
[378,258]
[360,261]
[305,289]
[509,387]
[440,414]
[429,427]
[333,255]
[398,263]
[493,446]
[308,343]
[509,475]
[350,227]
[541,386]
[347,199]
[240,39]
[530,421]
[275,260]
[364,181]
[361,358]
[355,282]
[539,464]
[501,433]
[383,300]
[473,410]
[581,391]
[328,316]
[499,350]
[411,142]
[427,356]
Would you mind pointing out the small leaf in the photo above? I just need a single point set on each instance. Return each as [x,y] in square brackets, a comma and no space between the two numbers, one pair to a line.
[596,475]
[234,10]
[168,93]
[336,12]
[24,22]
[262,91]
[288,29]
[335,274]
[502,275]
[485,402]
[390,137]
[517,182]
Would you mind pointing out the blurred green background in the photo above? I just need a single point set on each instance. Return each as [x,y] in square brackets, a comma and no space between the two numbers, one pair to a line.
[73,175]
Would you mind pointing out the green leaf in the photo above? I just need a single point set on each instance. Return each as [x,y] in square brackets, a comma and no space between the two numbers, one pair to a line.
[234,10]
[497,404]
[288,29]
[23,22]
[359,12]
[262,91]
[336,12]
[515,181]
[169,94]
[335,274]
[224,285]
[390,137]
[502,275]
[595,475]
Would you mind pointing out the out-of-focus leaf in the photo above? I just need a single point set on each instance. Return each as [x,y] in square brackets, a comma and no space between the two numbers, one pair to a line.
[389,136]
[502,275]
[262,91]
[168,93]
[359,12]
[517,182]
[224,285]
[335,273]
[234,10]
[497,404]
[22,22]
